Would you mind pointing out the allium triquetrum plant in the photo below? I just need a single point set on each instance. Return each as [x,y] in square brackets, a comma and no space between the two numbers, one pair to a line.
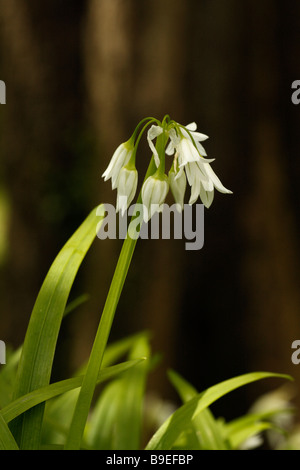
[85,412]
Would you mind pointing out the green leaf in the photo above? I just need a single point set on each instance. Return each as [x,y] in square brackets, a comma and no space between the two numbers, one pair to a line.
[8,375]
[207,431]
[100,430]
[7,441]
[239,438]
[171,429]
[26,402]
[122,347]
[41,337]
[76,303]
[247,425]
[116,421]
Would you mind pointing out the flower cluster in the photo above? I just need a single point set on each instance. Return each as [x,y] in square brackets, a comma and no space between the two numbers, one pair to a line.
[188,165]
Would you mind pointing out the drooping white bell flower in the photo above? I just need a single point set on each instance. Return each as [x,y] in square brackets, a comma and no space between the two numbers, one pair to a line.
[154,193]
[119,159]
[126,185]
[189,154]
[189,165]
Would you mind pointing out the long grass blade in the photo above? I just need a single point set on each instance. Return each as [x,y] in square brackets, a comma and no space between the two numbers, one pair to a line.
[38,351]
[170,430]
[28,401]
[119,408]
[207,431]
[7,441]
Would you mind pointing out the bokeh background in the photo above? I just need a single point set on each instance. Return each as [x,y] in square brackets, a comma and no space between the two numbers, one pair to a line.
[80,74]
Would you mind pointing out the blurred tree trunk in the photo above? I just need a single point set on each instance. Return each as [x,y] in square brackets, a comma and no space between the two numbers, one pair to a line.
[271,270]
[42,145]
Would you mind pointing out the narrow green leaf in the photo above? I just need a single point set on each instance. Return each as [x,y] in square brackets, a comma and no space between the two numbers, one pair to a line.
[134,383]
[207,430]
[116,421]
[240,438]
[237,428]
[100,431]
[41,337]
[7,441]
[170,430]
[76,303]
[26,402]
[8,375]
[114,351]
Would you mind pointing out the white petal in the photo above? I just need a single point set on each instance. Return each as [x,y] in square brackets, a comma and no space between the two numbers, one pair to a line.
[217,183]
[191,172]
[118,167]
[206,197]
[191,127]
[170,149]
[187,152]
[127,184]
[178,187]
[119,154]
[154,132]
[198,136]
[201,149]
[174,141]
[119,159]
[154,192]
[179,173]
[195,192]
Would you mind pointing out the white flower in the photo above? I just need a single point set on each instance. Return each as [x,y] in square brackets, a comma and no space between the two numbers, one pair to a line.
[252,442]
[197,136]
[119,159]
[189,155]
[203,181]
[126,184]
[186,152]
[178,187]
[154,132]
[154,192]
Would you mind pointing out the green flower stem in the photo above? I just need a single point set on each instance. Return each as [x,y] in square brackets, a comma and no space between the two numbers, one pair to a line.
[160,147]
[85,397]
[150,120]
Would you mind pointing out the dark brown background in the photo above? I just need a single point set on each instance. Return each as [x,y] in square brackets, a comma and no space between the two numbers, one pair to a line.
[79,76]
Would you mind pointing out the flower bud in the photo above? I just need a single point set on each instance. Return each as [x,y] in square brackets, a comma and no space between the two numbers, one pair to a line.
[119,159]
[126,184]
[154,193]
